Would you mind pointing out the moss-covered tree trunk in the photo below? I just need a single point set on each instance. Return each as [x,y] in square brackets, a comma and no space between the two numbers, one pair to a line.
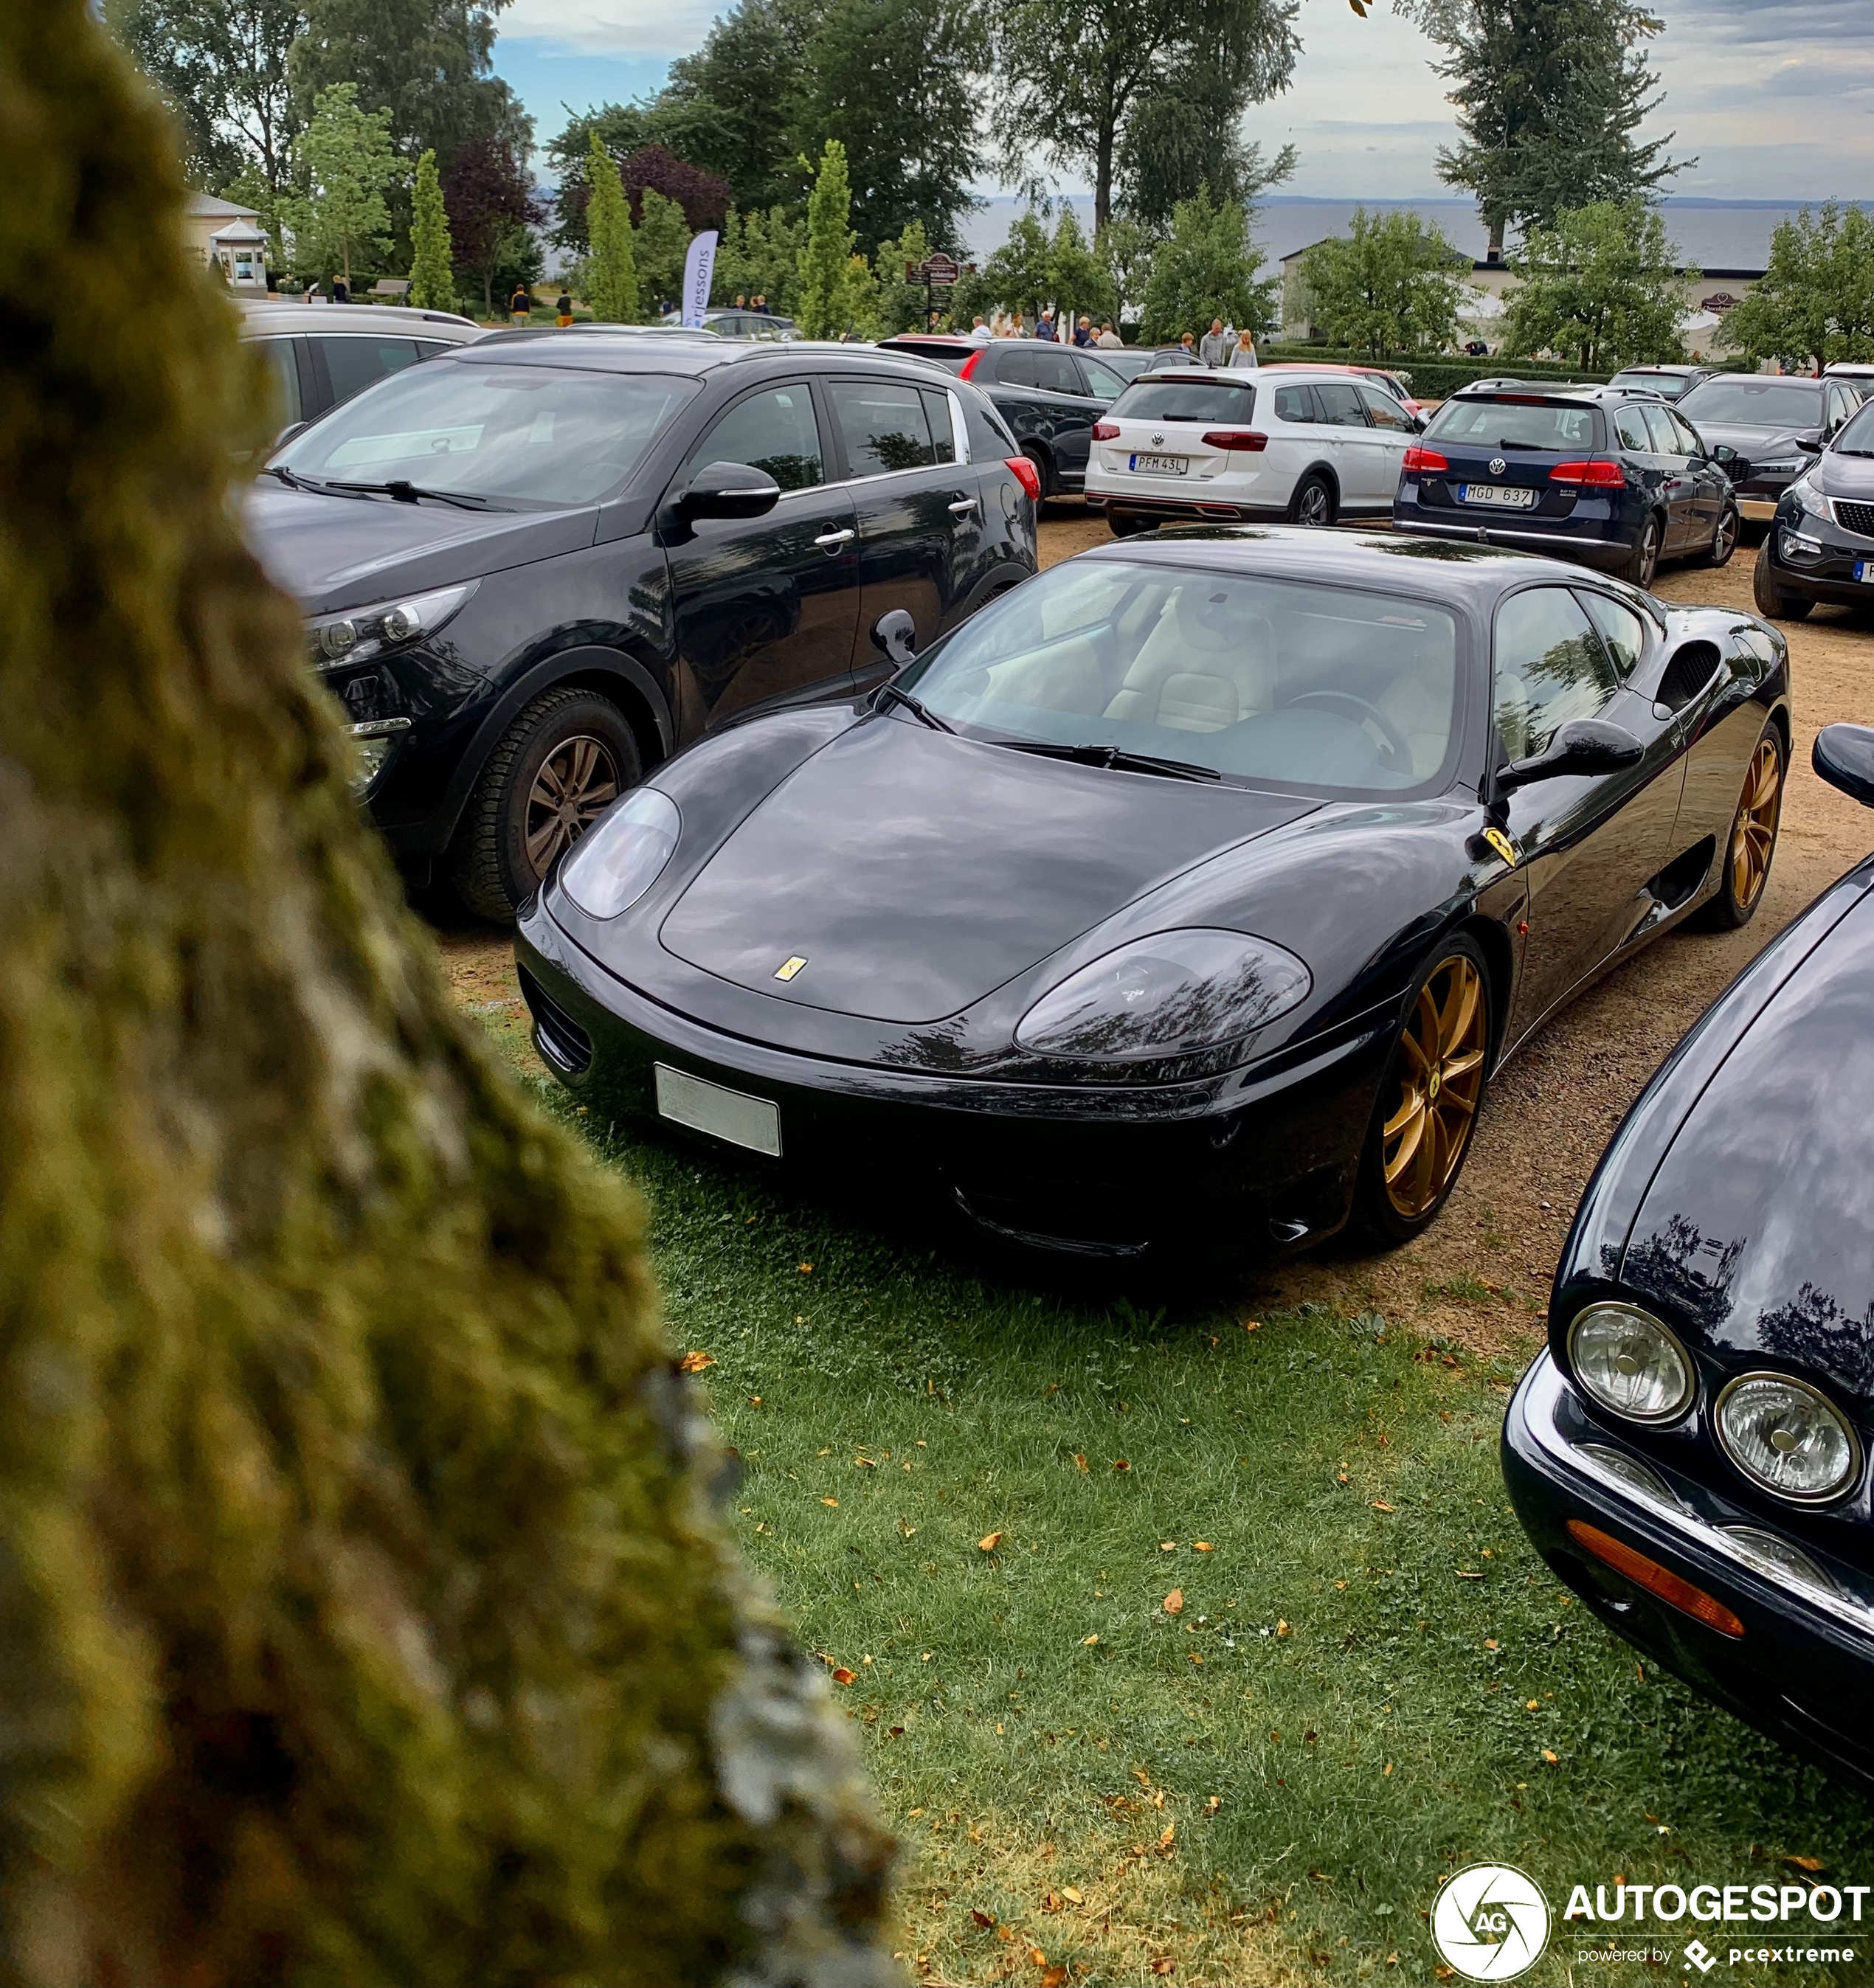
[362,1618]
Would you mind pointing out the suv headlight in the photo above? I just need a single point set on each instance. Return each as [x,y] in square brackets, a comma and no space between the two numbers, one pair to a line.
[1788,1437]
[1172,994]
[338,640]
[1807,499]
[1630,1363]
[623,853]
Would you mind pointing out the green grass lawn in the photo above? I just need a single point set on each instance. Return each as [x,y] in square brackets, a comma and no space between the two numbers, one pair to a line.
[1108,1746]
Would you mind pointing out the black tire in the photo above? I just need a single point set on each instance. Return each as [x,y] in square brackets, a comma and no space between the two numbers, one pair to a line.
[1724,537]
[1314,502]
[1126,524]
[1771,597]
[1642,563]
[1380,1214]
[573,742]
[1044,469]
[1751,847]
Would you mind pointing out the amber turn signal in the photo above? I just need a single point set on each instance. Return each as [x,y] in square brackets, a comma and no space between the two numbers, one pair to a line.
[1655,1579]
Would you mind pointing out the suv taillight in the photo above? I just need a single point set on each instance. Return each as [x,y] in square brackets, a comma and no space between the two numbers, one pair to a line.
[1106,431]
[1247,438]
[970,364]
[1427,462]
[1026,474]
[1589,476]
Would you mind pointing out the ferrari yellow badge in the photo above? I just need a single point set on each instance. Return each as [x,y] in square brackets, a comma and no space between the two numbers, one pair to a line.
[789,968]
[1495,837]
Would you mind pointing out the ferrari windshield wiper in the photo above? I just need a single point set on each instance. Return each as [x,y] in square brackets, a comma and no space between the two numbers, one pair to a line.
[407,492]
[891,694]
[1114,757]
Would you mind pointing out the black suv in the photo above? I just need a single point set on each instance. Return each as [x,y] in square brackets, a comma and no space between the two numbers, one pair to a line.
[1821,545]
[1588,473]
[532,568]
[1050,395]
[1779,425]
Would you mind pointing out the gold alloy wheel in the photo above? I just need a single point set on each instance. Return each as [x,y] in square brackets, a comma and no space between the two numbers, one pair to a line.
[578,783]
[1753,835]
[1440,1080]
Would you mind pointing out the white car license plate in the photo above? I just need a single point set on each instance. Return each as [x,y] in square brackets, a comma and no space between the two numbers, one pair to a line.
[1864,571]
[1504,496]
[1159,465]
[733,1115]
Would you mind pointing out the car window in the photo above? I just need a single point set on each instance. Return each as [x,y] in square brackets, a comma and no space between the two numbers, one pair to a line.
[1103,380]
[529,433]
[1622,631]
[942,427]
[1550,668]
[1055,372]
[354,364]
[1294,403]
[1339,404]
[1690,441]
[989,434]
[1840,407]
[1743,402]
[1549,425]
[1630,426]
[772,430]
[283,369]
[1384,412]
[882,425]
[1016,367]
[1659,425]
[1151,400]
[428,348]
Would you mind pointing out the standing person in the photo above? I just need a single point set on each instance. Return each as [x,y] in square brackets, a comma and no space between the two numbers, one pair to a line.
[520,306]
[341,291]
[562,310]
[1243,352]
[1213,348]
[740,304]
[1044,326]
[759,304]
[1018,326]
[312,295]
[980,332]
[1083,332]
[1109,340]
[1186,347]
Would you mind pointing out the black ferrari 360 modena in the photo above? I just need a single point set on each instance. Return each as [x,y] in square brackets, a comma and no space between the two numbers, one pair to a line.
[1182,902]
[1689,1455]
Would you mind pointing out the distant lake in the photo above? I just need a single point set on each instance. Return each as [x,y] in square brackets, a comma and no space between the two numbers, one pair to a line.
[1710,234]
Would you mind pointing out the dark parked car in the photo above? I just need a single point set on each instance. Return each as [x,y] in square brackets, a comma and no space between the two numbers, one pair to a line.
[1669,382]
[1689,1455]
[531,569]
[1583,473]
[1821,545]
[1181,902]
[1778,426]
[1050,395]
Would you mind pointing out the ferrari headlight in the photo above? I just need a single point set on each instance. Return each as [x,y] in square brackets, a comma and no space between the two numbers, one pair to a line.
[1172,994]
[623,853]
[1787,1436]
[1629,1363]
[336,642]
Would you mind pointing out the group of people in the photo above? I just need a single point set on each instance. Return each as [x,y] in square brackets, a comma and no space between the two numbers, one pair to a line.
[1222,346]
[758,303]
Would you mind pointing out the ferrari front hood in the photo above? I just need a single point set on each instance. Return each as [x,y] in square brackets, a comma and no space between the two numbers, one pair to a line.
[911,872]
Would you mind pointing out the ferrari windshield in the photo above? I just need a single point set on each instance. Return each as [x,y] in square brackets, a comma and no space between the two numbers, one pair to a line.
[1252,678]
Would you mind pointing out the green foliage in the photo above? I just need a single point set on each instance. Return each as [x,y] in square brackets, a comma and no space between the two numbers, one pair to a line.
[610,273]
[1391,284]
[1816,301]
[737,106]
[1081,283]
[1032,269]
[1125,247]
[663,240]
[1601,284]
[1206,268]
[759,255]
[1548,98]
[341,215]
[432,274]
[1020,275]
[902,306]
[826,274]
[366,1616]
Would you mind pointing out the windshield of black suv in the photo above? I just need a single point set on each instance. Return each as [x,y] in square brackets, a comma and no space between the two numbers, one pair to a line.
[1857,435]
[1149,399]
[1756,404]
[1296,685]
[526,434]
[1549,425]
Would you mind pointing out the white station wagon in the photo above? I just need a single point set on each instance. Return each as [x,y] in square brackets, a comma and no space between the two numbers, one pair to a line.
[1197,444]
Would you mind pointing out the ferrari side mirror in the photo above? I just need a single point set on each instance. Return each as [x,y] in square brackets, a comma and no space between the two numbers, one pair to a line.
[1585,745]
[1844,756]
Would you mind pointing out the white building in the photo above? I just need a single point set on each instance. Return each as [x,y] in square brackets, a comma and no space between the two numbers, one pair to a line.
[220,230]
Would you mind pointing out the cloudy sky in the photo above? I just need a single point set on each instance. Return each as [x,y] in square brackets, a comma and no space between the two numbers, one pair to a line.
[1773,97]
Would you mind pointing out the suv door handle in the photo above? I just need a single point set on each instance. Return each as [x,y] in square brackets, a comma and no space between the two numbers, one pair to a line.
[963,504]
[829,540]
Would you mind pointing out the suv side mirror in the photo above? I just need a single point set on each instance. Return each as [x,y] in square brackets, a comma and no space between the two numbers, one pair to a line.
[1844,756]
[1583,745]
[288,431]
[1809,447]
[896,633]
[728,490]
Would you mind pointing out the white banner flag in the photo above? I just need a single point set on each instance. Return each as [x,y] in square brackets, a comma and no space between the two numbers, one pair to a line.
[699,273]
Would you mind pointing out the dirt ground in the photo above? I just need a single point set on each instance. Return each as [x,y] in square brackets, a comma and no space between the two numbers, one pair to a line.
[1480,1275]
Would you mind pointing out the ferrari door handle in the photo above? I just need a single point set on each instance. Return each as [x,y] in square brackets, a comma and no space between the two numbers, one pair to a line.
[829,540]
[963,504]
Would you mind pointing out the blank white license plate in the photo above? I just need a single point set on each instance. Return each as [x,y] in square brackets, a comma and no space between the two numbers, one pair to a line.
[1160,466]
[733,1115]
[1864,571]
[1504,496]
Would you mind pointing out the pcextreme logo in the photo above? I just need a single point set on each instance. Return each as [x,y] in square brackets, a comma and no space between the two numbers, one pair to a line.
[1491,1922]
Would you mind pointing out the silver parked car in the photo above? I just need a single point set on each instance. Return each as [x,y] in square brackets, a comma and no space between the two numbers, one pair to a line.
[322,354]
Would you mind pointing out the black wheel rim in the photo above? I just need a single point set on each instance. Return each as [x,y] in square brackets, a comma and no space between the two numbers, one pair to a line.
[577,781]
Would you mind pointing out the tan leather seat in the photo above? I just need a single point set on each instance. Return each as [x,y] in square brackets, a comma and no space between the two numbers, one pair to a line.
[1208,663]
[1417,703]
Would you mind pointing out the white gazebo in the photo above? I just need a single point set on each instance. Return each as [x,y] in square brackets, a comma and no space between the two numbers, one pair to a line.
[223,232]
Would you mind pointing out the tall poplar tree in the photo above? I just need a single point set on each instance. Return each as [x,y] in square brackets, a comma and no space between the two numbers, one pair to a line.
[825,272]
[432,270]
[611,270]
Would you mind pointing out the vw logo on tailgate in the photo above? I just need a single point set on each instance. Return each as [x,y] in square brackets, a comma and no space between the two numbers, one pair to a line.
[1497,465]
[1158,441]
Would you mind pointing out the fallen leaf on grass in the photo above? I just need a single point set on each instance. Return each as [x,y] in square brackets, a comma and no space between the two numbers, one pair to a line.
[1164,1964]
[1386,1769]
[1086,1640]
[806,1269]
[1252,1325]
[1174,1602]
[863,1463]
[830,1501]
[1200,1546]
[1167,1839]
[1072,1895]
[1551,1758]
[1054,1977]
[1037,1957]
[694,1363]
[1380,1504]
[1080,1461]
[1806,1862]
[1213,1804]
[1140,1776]
[1196,1659]
[1466,1574]
[1281,1628]
[1052,1902]
[990,1542]
[981,1918]
[1120,1463]
[1531,1705]
[1490,1642]
[1167,1545]
[754,1401]
[843,1675]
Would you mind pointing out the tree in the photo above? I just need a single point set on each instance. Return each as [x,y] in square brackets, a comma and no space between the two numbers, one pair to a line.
[1206,268]
[1390,285]
[1178,139]
[1020,275]
[1080,281]
[1125,248]
[492,212]
[825,260]
[1073,76]
[1816,301]
[611,270]
[760,254]
[735,106]
[703,197]
[1600,285]
[432,264]
[345,154]
[367,1614]
[1549,97]
[663,242]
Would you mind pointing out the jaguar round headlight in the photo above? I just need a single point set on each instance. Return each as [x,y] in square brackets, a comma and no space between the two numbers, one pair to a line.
[1630,1363]
[623,853]
[1788,1437]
